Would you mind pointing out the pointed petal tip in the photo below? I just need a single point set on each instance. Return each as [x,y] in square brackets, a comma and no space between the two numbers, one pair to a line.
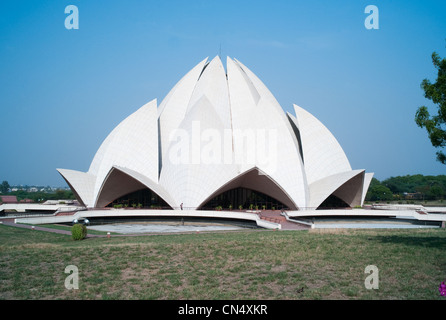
[216,60]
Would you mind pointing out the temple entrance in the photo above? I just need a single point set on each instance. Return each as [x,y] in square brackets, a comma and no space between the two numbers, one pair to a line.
[333,202]
[246,198]
[144,198]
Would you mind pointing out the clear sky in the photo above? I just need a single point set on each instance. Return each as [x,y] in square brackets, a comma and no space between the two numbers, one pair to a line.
[62,91]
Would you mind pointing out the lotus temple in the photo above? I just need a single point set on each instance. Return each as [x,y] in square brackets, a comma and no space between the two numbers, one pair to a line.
[219,139]
[220,150]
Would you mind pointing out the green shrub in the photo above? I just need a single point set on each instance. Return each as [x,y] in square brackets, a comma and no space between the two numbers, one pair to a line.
[79,231]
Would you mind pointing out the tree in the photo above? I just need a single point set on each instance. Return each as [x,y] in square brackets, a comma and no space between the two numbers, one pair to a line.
[436,192]
[378,192]
[4,187]
[429,187]
[435,124]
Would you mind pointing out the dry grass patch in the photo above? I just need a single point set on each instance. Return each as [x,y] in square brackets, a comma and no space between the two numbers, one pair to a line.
[244,265]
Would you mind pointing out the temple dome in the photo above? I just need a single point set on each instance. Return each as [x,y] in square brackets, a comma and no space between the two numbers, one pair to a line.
[220,136]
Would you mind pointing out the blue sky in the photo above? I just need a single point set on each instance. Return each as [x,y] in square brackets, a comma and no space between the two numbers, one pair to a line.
[62,91]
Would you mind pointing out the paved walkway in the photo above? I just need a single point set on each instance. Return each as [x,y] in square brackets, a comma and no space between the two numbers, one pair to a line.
[26,226]
[269,215]
[275,216]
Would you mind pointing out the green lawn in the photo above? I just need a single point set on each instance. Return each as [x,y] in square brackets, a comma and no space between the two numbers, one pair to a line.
[233,265]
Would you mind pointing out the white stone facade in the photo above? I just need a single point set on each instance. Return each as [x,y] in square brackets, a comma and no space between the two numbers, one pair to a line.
[217,130]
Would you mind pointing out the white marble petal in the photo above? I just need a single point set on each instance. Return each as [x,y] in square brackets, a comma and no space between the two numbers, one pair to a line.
[217,130]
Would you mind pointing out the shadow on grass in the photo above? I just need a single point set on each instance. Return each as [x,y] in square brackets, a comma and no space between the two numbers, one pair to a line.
[428,241]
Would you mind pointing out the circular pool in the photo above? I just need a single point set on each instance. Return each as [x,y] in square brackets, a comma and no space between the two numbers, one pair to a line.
[129,228]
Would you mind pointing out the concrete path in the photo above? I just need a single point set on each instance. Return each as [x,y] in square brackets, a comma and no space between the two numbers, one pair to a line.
[275,216]
[66,232]
[269,215]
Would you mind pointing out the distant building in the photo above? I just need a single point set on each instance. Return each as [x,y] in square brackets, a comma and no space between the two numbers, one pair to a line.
[8,199]
[413,195]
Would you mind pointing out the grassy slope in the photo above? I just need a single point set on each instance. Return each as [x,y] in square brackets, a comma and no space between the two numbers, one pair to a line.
[232,265]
